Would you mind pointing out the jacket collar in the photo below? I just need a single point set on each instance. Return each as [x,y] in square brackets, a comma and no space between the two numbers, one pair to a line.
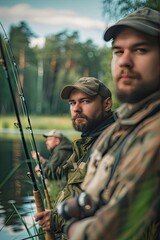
[131,114]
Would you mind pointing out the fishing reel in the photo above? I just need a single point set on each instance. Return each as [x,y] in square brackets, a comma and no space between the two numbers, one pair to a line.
[79,207]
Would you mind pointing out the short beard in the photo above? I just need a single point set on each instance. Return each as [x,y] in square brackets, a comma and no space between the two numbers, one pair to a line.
[135,96]
[90,125]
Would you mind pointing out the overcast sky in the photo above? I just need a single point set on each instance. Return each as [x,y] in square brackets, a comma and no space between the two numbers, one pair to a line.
[46,17]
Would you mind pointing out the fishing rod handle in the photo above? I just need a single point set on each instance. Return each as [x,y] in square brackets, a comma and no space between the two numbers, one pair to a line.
[40,208]
[38,201]
[47,198]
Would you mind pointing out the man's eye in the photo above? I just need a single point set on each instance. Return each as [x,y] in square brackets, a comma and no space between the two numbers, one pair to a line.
[85,101]
[117,52]
[71,103]
[141,50]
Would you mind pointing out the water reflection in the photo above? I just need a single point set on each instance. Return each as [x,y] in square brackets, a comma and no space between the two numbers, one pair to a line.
[16,191]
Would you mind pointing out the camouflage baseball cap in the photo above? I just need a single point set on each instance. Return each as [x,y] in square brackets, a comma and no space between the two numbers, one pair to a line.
[89,85]
[145,20]
[53,133]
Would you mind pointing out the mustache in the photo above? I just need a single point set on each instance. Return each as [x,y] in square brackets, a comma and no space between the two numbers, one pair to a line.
[126,72]
[79,115]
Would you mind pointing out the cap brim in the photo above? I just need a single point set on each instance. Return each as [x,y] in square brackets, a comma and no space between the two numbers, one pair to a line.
[65,93]
[45,135]
[114,30]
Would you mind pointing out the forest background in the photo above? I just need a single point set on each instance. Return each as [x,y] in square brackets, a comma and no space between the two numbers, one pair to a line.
[62,60]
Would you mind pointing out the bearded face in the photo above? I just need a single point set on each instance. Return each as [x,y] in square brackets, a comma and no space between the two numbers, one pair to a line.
[135,65]
[86,112]
[83,123]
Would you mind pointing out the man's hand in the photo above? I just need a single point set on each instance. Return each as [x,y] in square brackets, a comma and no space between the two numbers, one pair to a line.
[37,170]
[34,155]
[43,219]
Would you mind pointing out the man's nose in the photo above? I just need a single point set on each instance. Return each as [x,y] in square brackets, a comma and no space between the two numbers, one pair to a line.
[126,59]
[77,107]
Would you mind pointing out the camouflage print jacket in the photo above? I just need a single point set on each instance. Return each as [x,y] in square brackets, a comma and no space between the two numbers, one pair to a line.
[131,193]
[76,168]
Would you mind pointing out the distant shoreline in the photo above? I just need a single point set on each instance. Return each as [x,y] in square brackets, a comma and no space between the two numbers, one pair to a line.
[35,131]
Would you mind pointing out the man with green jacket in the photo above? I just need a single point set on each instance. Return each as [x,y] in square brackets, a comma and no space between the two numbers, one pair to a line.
[90,106]
[121,190]
[60,148]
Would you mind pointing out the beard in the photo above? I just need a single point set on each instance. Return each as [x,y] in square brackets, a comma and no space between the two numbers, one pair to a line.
[139,86]
[89,125]
[136,95]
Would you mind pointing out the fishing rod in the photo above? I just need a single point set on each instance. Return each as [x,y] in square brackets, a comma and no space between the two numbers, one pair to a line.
[36,192]
[29,127]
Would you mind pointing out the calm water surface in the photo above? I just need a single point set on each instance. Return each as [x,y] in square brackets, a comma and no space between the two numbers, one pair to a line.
[15,191]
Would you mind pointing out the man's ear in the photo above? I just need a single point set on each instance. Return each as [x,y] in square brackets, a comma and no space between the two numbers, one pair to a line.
[58,141]
[108,104]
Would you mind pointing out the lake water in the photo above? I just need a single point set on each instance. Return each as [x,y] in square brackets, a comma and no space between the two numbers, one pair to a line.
[16,191]
[16,188]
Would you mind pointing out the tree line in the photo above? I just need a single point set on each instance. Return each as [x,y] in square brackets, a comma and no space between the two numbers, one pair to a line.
[116,9]
[44,71]
[62,60]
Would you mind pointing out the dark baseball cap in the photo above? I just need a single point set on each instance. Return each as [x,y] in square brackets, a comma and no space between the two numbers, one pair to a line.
[145,20]
[89,85]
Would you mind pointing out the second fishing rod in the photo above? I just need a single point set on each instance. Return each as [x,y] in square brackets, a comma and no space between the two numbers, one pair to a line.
[11,73]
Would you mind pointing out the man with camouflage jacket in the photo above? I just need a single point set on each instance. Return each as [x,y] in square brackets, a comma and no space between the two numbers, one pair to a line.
[90,106]
[121,190]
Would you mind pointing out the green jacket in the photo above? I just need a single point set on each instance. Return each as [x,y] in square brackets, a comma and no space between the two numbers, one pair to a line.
[53,166]
[131,192]
[76,168]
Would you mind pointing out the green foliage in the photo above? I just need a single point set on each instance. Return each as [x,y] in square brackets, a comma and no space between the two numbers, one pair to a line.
[116,9]
[106,76]
[5,98]
[23,222]
[9,175]
[5,125]
[43,72]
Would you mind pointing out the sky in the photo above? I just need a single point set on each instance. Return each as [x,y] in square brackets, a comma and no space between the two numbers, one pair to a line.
[46,17]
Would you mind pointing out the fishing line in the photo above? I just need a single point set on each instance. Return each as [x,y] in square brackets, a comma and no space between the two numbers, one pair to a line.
[25,110]
[36,193]
[14,68]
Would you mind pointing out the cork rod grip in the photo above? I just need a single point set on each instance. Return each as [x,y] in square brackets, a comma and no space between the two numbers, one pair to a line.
[47,198]
[40,208]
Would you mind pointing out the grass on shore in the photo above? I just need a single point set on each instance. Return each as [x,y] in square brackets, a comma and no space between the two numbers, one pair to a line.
[62,123]
[40,122]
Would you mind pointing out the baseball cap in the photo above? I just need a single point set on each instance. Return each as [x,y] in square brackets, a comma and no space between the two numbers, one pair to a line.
[89,85]
[145,20]
[53,133]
